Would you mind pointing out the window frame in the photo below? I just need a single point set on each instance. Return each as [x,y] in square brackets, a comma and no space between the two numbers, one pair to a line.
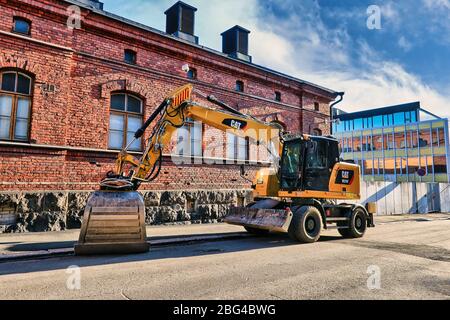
[194,73]
[28,21]
[15,98]
[190,125]
[278,96]
[125,113]
[240,86]
[125,52]
[236,147]
[316,106]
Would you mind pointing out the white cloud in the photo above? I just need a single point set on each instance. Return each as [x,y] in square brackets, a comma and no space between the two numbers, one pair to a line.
[437,4]
[404,44]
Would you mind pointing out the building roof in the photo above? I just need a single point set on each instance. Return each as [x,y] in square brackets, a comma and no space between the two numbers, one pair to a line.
[412,106]
[161,33]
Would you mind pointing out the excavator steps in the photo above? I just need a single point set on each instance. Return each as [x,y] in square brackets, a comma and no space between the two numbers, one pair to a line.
[113,223]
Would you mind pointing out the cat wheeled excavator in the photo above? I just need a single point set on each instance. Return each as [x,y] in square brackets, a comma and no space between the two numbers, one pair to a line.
[298,195]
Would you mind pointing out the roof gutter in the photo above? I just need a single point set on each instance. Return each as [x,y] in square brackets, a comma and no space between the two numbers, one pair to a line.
[341,97]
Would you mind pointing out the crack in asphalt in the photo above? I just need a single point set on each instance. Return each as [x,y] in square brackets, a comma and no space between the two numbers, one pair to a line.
[417,250]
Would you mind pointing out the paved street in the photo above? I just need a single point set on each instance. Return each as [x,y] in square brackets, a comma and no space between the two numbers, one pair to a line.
[413,258]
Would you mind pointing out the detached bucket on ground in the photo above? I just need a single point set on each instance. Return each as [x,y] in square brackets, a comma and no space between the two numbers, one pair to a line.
[113,223]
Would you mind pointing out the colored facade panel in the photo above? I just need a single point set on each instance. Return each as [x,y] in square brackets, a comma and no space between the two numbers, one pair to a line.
[401,153]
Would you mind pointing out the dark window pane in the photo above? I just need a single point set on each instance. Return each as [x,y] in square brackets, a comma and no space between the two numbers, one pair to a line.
[134,105]
[21,26]
[130,56]
[118,102]
[277,96]
[23,84]
[440,164]
[192,74]
[8,81]
[239,86]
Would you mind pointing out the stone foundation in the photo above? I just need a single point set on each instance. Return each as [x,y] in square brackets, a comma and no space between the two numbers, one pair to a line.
[55,211]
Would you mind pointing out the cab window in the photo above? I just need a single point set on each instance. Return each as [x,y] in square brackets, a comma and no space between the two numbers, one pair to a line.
[317,155]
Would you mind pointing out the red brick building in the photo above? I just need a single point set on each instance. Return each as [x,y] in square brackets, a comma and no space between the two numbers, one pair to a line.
[74,80]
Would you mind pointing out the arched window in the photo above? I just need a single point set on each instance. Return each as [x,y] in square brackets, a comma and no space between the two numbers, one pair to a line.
[15,105]
[125,119]
[317,132]
[278,125]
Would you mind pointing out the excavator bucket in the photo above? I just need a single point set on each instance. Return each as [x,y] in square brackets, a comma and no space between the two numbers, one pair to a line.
[113,223]
[259,217]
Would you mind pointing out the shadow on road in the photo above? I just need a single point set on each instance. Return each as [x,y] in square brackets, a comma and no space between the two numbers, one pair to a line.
[156,253]
[43,246]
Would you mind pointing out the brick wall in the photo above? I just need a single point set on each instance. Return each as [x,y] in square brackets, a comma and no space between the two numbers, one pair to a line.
[67,149]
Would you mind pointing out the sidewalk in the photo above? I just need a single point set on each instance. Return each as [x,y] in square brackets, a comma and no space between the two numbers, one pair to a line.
[62,242]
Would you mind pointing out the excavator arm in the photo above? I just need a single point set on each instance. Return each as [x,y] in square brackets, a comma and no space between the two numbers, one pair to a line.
[171,115]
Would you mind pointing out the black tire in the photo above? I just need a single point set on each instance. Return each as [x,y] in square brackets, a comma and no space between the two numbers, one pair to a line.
[344,232]
[306,225]
[256,231]
[357,225]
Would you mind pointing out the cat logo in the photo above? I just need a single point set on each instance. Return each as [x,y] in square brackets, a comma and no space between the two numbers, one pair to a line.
[345,177]
[235,124]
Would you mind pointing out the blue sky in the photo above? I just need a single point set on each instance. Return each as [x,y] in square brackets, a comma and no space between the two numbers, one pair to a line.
[328,42]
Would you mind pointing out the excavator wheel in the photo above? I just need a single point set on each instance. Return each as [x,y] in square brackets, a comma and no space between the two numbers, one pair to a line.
[357,225]
[306,225]
[113,223]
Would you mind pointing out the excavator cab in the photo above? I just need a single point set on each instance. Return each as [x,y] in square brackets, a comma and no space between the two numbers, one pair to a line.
[307,164]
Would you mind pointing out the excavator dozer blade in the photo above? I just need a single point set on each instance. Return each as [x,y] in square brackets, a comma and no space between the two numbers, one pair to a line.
[258,218]
[113,223]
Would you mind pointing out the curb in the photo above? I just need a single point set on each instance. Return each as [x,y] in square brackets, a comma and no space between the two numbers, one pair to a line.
[52,253]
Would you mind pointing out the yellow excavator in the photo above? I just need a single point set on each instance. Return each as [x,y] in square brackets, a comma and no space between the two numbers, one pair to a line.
[298,195]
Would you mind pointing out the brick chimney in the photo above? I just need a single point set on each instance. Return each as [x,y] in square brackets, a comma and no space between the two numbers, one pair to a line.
[235,43]
[180,21]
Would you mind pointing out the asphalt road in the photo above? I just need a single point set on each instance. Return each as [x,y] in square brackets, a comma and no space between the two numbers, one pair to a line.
[412,258]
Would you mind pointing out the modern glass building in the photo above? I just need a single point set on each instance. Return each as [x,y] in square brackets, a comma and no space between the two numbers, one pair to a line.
[399,143]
